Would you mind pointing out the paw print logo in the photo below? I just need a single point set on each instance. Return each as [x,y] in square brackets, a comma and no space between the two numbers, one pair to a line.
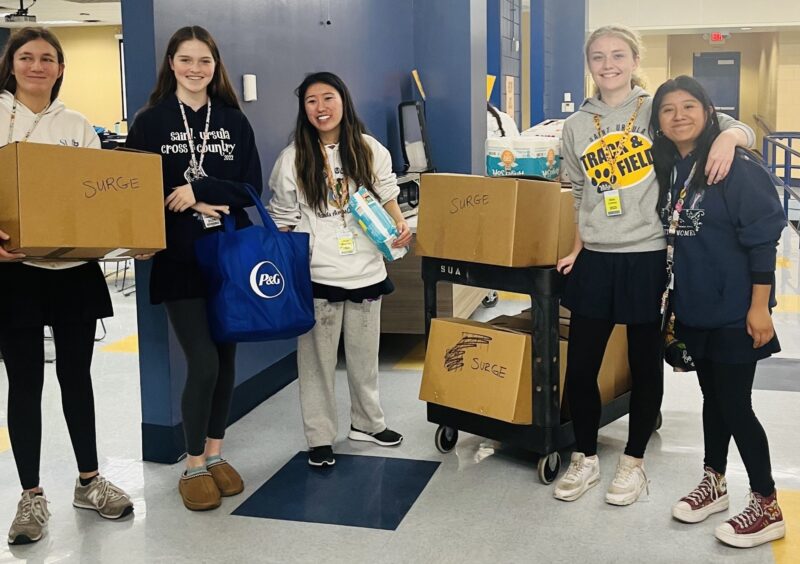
[603,179]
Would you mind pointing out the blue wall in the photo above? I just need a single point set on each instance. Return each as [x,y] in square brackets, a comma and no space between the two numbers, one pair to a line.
[558,28]
[373,46]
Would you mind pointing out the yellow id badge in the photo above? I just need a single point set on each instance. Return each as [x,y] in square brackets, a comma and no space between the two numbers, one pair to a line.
[346,242]
[613,203]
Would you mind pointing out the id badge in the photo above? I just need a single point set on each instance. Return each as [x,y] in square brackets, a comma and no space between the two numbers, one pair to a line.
[210,222]
[346,242]
[612,202]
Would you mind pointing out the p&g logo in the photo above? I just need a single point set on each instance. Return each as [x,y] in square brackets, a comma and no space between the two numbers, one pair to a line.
[266,280]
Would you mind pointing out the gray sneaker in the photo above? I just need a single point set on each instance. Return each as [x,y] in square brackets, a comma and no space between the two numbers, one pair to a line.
[31,521]
[104,497]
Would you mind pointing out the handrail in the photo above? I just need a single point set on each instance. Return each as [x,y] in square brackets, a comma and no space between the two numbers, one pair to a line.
[762,123]
[783,140]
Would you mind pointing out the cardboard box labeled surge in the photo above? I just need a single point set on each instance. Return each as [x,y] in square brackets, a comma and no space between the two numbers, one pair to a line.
[478,368]
[501,221]
[486,368]
[76,203]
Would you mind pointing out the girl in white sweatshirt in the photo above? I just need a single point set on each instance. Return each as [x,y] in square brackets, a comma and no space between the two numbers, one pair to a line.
[330,158]
[67,296]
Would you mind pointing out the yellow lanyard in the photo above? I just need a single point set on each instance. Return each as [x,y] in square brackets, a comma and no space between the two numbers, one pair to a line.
[611,153]
[339,188]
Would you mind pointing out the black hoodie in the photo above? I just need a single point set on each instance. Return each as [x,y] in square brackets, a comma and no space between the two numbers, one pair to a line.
[231,161]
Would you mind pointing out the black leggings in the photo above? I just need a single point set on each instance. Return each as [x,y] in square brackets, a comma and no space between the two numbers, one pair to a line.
[728,411]
[23,354]
[587,344]
[206,400]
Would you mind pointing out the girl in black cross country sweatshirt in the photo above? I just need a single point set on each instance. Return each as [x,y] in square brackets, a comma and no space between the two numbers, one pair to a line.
[208,155]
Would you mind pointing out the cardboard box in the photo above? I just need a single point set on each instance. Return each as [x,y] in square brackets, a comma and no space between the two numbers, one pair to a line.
[501,221]
[478,368]
[485,368]
[76,203]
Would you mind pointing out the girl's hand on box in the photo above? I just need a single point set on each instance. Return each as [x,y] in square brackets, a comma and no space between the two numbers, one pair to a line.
[210,209]
[4,254]
[181,199]
[564,266]
[403,235]
[147,256]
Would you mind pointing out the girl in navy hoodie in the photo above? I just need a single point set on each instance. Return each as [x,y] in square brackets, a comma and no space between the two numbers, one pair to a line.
[208,154]
[723,239]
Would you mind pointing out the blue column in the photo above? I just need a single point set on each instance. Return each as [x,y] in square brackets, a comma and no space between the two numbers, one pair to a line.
[557,61]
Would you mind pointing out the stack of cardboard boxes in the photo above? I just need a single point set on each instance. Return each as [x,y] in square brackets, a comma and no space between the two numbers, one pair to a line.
[485,368]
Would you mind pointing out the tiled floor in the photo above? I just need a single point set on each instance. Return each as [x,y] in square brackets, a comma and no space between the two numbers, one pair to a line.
[480,503]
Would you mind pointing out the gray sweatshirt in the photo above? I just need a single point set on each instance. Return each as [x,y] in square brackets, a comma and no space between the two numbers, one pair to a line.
[638,228]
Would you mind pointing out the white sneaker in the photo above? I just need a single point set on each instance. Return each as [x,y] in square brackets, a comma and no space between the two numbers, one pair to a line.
[628,483]
[582,474]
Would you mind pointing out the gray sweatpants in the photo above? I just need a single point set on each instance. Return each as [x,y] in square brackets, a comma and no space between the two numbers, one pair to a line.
[317,353]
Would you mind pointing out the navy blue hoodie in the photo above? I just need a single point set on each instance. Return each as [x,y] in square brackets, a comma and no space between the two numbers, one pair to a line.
[231,161]
[726,241]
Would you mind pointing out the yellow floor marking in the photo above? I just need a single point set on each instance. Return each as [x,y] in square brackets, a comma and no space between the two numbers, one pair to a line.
[127,345]
[5,443]
[788,303]
[414,360]
[511,296]
[787,550]
[783,262]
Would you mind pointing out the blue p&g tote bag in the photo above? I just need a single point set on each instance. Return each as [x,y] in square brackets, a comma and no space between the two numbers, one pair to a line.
[258,279]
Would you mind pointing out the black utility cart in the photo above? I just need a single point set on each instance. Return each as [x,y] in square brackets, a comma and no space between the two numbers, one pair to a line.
[547,435]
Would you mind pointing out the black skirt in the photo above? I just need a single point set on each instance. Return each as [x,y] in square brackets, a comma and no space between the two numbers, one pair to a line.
[729,345]
[620,287]
[35,297]
[172,279]
[335,294]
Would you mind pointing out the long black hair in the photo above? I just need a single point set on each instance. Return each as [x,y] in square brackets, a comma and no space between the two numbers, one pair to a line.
[356,155]
[665,154]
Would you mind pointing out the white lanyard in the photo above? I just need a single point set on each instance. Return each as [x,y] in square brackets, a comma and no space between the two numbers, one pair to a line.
[14,118]
[196,168]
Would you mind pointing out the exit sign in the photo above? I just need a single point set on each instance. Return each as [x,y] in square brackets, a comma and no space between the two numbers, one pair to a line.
[717,37]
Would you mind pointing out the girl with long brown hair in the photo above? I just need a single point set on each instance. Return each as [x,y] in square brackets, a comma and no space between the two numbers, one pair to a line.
[208,155]
[331,157]
[67,296]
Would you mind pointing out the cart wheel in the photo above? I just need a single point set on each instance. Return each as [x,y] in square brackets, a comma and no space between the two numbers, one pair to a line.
[659,422]
[445,438]
[548,467]
[491,299]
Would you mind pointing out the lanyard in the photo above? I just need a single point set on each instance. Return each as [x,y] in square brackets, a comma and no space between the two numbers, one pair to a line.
[197,167]
[340,188]
[611,153]
[14,118]
[674,214]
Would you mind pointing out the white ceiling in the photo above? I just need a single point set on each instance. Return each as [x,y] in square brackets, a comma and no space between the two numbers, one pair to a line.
[65,12]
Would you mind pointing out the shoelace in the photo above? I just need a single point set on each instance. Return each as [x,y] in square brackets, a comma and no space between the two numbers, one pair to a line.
[625,476]
[107,491]
[708,487]
[575,469]
[750,515]
[36,507]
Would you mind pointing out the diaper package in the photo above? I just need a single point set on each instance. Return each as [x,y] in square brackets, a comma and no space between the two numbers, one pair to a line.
[376,223]
[523,156]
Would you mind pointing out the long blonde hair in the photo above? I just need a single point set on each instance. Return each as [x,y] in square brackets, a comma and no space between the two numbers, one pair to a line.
[629,36]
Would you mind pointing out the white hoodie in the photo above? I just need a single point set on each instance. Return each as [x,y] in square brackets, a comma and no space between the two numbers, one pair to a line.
[289,208]
[58,126]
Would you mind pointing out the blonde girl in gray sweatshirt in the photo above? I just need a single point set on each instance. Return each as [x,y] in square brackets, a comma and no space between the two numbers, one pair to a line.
[617,267]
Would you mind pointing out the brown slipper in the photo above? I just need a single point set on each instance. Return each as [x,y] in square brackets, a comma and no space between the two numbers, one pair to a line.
[199,492]
[226,477]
